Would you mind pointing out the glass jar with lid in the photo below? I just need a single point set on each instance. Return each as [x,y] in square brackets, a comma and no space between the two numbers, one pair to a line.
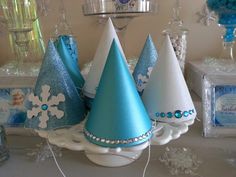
[178,35]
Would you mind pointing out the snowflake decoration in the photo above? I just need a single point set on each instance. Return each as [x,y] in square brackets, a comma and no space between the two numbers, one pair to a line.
[206,16]
[149,71]
[142,82]
[180,161]
[45,106]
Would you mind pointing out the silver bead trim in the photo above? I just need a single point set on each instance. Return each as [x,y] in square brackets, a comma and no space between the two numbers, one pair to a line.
[125,141]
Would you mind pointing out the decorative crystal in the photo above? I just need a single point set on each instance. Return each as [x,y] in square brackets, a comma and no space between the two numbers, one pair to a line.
[169,114]
[178,114]
[163,114]
[186,113]
[44,107]
[157,114]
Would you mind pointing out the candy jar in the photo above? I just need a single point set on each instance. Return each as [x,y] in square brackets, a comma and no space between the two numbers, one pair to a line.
[226,12]
[178,35]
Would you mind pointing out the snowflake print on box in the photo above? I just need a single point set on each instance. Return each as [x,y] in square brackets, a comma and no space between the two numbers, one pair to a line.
[45,106]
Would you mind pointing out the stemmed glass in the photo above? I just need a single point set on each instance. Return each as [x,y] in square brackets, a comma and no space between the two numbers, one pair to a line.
[21,19]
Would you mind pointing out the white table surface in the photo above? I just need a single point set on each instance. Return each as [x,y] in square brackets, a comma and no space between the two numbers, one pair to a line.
[212,152]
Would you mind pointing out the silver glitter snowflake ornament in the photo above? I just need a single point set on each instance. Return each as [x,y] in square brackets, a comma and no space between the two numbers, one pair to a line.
[41,152]
[205,16]
[45,106]
[180,161]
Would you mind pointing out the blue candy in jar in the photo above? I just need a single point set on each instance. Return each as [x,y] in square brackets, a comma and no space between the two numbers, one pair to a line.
[226,11]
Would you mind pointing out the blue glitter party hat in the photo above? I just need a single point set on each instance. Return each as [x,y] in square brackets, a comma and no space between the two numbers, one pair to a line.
[146,62]
[118,117]
[70,63]
[55,102]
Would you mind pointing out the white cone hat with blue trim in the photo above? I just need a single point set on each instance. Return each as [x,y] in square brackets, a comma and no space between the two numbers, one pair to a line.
[166,96]
[118,117]
[55,102]
[99,60]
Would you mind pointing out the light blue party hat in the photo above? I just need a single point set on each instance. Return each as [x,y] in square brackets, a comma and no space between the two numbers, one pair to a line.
[70,63]
[118,117]
[55,102]
[145,64]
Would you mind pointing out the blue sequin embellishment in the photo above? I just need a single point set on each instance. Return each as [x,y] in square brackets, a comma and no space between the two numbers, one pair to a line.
[178,114]
[44,107]
[186,113]
[163,114]
[169,115]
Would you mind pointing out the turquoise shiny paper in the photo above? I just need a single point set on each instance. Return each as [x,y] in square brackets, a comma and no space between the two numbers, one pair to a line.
[117,112]
[54,74]
[147,59]
[70,63]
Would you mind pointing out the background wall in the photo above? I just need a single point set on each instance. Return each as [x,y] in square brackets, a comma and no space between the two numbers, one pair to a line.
[202,41]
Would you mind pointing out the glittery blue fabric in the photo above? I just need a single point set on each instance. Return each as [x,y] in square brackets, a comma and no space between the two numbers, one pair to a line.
[117,112]
[54,74]
[70,64]
[148,58]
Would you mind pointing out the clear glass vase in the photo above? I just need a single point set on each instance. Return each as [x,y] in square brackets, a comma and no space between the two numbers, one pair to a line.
[178,35]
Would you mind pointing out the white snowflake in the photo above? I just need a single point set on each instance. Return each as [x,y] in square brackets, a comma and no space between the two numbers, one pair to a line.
[142,82]
[205,16]
[149,71]
[45,105]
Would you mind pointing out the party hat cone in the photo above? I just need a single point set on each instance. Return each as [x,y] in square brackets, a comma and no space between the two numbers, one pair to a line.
[71,45]
[118,117]
[55,102]
[70,63]
[166,96]
[99,60]
[145,64]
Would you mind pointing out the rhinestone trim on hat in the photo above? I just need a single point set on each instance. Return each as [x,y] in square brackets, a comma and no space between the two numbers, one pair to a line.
[178,114]
[123,141]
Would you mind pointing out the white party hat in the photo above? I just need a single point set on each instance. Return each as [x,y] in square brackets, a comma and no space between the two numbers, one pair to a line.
[99,60]
[166,96]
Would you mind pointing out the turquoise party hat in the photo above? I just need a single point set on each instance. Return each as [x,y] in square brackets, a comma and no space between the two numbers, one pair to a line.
[55,102]
[118,117]
[145,64]
[70,63]
[71,46]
